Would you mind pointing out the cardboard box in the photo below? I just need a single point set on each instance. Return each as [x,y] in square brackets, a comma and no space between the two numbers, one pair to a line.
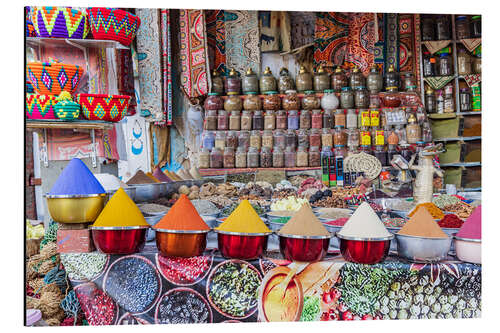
[74,241]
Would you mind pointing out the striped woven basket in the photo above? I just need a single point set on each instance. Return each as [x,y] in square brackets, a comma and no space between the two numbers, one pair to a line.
[40,106]
[104,107]
[67,110]
[113,24]
[60,22]
[53,77]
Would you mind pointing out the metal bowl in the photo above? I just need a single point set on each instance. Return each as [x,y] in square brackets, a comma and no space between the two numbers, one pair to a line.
[148,192]
[468,250]
[130,190]
[242,245]
[181,243]
[75,208]
[364,250]
[304,248]
[422,249]
[119,240]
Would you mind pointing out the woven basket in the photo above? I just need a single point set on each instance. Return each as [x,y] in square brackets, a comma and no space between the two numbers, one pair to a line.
[52,78]
[60,22]
[67,110]
[30,28]
[113,24]
[104,107]
[40,106]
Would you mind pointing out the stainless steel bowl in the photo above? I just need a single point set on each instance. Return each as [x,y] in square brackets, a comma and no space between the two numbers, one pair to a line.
[148,192]
[424,250]
[390,203]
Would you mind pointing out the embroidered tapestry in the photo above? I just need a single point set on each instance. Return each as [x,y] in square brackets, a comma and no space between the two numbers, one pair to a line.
[360,41]
[391,41]
[216,40]
[330,38]
[409,45]
[166,63]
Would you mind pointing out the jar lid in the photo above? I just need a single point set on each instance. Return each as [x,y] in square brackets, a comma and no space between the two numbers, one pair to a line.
[339,146]
[360,88]
[391,88]
[291,92]
[461,17]
[355,69]
[250,71]
[476,17]
[464,89]
[326,91]
[302,70]
[232,93]
[444,54]
[309,92]
[320,69]
[251,93]
[270,92]
[420,142]
[213,94]
[215,73]
[338,70]
[267,71]
[412,87]
[233,72]
[346,88]
[374,68]
[366,146]
[391,68]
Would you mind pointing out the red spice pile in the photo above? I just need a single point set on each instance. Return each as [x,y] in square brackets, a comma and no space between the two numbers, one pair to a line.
[450,221]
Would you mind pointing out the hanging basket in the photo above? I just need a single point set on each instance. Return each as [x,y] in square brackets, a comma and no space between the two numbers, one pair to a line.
[60,22]
[54,77]
[67,110]
[113,24]
[40,106]
[104,107]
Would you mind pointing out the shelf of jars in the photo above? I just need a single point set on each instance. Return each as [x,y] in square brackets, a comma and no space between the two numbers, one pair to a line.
[221,172]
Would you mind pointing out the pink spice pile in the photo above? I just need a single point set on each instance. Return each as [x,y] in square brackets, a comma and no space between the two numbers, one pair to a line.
[472,226]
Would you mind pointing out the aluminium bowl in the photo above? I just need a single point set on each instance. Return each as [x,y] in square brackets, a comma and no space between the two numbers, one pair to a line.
[423,249]
[181,243]
[304,248]
[468,249]
[75,208]
[119,240]
[364,250]
[238,245]
[148,192]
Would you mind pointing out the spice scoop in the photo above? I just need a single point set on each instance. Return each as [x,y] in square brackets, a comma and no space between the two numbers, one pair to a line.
[278,291]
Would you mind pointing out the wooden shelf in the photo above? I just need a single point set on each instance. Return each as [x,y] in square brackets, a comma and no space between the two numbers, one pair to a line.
[61,124]
[220,172]
[90,43]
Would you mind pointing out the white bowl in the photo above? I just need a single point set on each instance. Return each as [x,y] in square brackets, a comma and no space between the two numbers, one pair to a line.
[468,250]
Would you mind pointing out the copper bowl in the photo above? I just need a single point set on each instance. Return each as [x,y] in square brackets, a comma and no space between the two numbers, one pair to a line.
[304,248]
[181,243]
[119,240]
[365,250]
[75,208]
[237,245]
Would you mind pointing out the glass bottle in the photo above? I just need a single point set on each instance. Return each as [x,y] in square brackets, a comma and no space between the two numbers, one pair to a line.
[321,80]
[374,81]
[267,139]
[339,136]
[271,101]
[329,101]
[258,120]
[253,158]
[357,78]
[240,158]
[233,102]
[303,81]
[303,138]
[285,81]
[223,120]
[279,139]
[233,82]
[340,151]
[314,138]
[269,120]
[430,100]
[267,81]
[392,78]
[291,101]
[443,31]
[426,132]
[213,102]
[217,83]
[327,137]
[346,98]
[374,101]
[429,64]
[204,158]
[250,82]
[339,80]
[310,101]
[235,121]
[281,120]
[391,151]
[462,27]
[278,157]
[216,159]
[353,138]
[445,66]
[302,157]
[293,119]
[290,157]
[246,120]
[327,119]
[252,102]
[381,155]
[314,157]
[464,62]
[465,100]
[266,158]
[440,102]
[401,133]
[228,158]
[255,139]
[409,83]
[208,140]
[476,26]
[231,140]
[361,98]
[305,119]
[449,103]
[316,119]
[351,119]
[413,130]
[428,31]
[244,139]
[211,120]
[476,65]
[291,139]
[220,140]
[340,118]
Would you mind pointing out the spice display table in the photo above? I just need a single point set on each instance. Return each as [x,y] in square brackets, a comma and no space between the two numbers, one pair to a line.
[146,288]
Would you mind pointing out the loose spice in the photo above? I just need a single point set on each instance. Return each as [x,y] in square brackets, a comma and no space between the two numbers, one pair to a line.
[304,223]
[140,178]
[364,223]
[434,210]
[183,306]
[244,219]
[76,179]
[182,216]
[450,221]
[472,227]
[97,306]
[83,266]
[153,178]
[184,271]
[422,224]
[120,211]
[160,175]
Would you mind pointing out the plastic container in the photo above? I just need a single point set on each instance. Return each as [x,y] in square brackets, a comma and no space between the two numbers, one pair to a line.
[346,98]
[278,157]
[266,158]
[303,80]
[267,139]
[302,157]
[328,119]
[267,81]
[258,120]
[222,120]
[210,120]
[228,158]
[291,101]
[310,101]
[235,121]
[253,158]
[233,82]
[246,120]
[252,102]
[316,119]
[315,138]
[339,80]
[272,101]
[305,119]
[250,82]
[285,81]
[269,120]
[216,159]
[357,79]
[321,80]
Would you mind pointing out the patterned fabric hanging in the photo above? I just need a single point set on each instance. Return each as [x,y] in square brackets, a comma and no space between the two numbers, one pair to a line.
[330,38]
[409,45]
[125,73]
[378,47]
[302,25]
[471,44]
[193,52]
[269,31]
[361,40]
[166,63]
[391,41]
[437,45]
[216,39]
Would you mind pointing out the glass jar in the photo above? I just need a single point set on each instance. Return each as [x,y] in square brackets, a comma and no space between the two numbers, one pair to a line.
[329,101]
[401,133]
[346,98]
[244,139]
[391,151]
[353,137]
[413,131]
[217,83]
[464,62]
[339,80]
[253,158]
[429,64]
[291,101]
[281,120]
[374,80]
[269,120]
[392,78]
[223,120]
[303,138]
[340,151]
[428,31]
[476,65]
[250,82]
[366,149]
[314,157]
[211,120]
[252,102]
[340,118]
[208,140]
[232,140]
[216,158]
[465,100]
[327,119]
[302,157]
[240,158]
[285,81]
[258,120]
[255,139]
[310,101]
[228,158]
[339,136]
[321,80]
[351,119]
[293,119]
[233,82]
[357,78]
[266,158]
[426,132]
[462,27]
[327,137]
[430,101]
[445,66]
[361,98]
[267,139]
[220,140]
[443,31]
[267,81]
[204,158]
[374,101]
[279,139]
[305,119]
[303,80]
[314,138]
[278,157]
[291,139]
[272,101]
[381,155]
[246,120]
[233,103]
[290,157]
[409,83]
[235,121]
[213,102]
[475,26]
[316,119]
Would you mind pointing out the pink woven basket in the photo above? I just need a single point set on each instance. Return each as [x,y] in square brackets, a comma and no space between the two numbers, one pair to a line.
[40,106]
